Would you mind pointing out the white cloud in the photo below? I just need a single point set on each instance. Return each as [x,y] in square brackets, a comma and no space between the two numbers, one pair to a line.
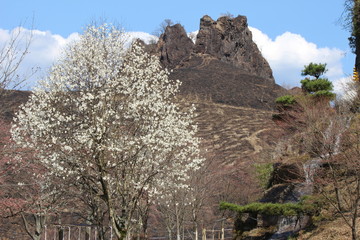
[342,86]
[289,52]
[46,47]
[146,37]
[193,35]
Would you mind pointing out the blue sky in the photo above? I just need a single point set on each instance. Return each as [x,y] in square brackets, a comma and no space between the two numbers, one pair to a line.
[289,32]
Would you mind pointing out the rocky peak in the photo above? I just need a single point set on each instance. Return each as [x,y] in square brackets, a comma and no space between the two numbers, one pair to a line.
[214,35]
[227,39]
[174,46]
[230,40]
[224,64]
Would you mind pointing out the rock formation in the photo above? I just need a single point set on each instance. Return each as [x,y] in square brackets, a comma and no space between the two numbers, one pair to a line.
[224,64]
[174,46]
[230,40]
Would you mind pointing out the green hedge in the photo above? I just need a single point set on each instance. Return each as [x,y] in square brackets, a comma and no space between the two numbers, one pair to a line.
[274,209]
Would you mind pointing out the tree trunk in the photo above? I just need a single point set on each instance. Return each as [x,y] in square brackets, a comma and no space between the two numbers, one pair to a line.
[178,234]
[144,230]
[144,216]
[39,226]
[61,234]
[336,188]
[196,231]
[118,227]
[353,233]
[119,232]
[169,233]
[100,233]
[355,211]
[356,33]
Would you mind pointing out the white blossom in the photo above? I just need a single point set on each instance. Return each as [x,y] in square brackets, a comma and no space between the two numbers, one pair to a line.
[109,114]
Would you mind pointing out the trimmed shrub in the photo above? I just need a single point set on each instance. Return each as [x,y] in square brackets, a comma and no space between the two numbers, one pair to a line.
[315,85]
[286,100]
[274,209]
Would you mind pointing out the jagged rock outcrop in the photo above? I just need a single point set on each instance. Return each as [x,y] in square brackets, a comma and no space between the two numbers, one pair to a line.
[174,46]
[230,40]
[224,64]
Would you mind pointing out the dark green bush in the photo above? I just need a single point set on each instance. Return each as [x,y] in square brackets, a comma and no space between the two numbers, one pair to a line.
[324,94]
[263,173]
[315,85]
[286,100]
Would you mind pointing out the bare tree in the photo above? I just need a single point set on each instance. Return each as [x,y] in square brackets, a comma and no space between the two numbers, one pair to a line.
[227,14]
[12,54]
[26,192]
[338,180]
[331,137]
[162,27]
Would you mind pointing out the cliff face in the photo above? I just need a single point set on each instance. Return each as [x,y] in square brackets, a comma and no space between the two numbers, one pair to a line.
[224,64]
[230,40]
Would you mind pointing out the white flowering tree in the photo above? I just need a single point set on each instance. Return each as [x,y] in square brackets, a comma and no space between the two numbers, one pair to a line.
[106,120]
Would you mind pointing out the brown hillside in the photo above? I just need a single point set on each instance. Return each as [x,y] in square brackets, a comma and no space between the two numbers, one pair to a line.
[10,101]
[235,134]
[207,76]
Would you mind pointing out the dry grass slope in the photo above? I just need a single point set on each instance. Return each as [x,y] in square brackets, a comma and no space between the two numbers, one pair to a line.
[235,134]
